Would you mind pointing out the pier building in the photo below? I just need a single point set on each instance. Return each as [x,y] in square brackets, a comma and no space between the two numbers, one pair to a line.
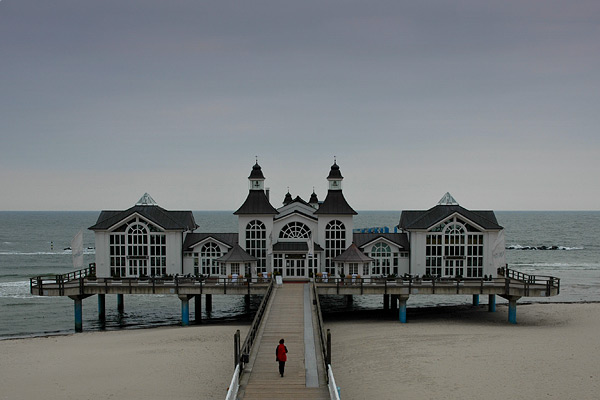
[446,249]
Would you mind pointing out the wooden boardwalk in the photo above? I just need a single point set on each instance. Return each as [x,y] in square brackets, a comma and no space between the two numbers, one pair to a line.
[286,319]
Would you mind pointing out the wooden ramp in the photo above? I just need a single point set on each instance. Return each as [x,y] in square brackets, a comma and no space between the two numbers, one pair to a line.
[286,319]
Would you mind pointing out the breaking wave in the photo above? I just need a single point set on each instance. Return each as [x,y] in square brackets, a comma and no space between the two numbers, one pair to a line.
[542,247]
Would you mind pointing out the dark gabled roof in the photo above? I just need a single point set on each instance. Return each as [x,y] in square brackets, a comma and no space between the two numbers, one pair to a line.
[294,246]
[401,239]
[415,219]
[168,220]
[192,239]
[335,203]
[236,254]
[353,254]
[256,203]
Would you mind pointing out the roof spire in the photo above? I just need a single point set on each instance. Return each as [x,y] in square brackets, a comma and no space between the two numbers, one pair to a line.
[146,200]
[447,200]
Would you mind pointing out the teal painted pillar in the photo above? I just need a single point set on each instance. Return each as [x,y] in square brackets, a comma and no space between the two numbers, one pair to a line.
[492,303]
[475,299]
[512,311]
[185,310]
[402,309]
[120,304]
[247,302]
[78,314]
[208,303]
[198,307]
[102,307]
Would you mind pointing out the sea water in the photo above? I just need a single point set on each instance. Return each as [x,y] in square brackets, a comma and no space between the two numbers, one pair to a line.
[37,243]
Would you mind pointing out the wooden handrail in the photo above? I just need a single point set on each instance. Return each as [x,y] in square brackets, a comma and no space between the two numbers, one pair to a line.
[251,336]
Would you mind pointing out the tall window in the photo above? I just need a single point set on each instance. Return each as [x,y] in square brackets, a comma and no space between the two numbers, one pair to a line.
[433,255]
[474,256]
[118,254]
[208,256]
[256,243]
[335,243]
[295,230]
[381,254]
[137,241]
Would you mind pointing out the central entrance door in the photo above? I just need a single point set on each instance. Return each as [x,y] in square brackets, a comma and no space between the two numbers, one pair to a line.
[295,265]
[454,267]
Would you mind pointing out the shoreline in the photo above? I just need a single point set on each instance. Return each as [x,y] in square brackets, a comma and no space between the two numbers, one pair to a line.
[333,316]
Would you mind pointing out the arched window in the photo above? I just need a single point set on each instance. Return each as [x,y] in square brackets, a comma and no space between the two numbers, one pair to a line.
[137,241]
[335,243]
[208,255]
[453,245]
[382,255]
[256,243]
[295,230]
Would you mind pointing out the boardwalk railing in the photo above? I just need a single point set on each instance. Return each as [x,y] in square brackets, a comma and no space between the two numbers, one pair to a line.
[88,277]
[325,338]
[37,283]
[242,354]
[527,280]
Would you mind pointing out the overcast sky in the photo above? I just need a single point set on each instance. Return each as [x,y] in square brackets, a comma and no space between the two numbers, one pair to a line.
[496,102]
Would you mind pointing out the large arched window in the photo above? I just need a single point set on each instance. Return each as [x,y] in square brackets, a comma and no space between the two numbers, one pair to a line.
[382,255]
[256,243]
[133,244]
[335,243]
[295,230]
[208,256]
[453,245]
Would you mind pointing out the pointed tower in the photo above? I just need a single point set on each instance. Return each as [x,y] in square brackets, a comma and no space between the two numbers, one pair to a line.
[335,221]
[314,200]
[255,221]
[335,203]
[257,201]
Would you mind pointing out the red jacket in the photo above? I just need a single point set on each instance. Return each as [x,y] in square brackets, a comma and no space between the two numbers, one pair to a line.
[280,352]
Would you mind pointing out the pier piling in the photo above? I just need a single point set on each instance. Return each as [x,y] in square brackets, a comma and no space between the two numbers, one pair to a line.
[102,307]
[120,304]
[492,303]
[475,300]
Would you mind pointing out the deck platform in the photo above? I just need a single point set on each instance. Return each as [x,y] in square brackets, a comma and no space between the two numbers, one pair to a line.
[304,377]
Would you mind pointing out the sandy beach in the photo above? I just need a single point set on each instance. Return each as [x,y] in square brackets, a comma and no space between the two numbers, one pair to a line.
[195,362]
[455,353]
[552,353]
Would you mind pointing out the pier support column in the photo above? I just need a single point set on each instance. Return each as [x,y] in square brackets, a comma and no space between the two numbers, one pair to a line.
[102,307]
[386,302]
[247,302]
[512,309]
[349,300]
[120,304]
[198,307]
[475,300]
[492,303]
[185,310]
[77,301]
[402,309]
[394,299]
[208,303]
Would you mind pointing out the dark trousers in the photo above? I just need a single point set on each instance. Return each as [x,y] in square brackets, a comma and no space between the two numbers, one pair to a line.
[281,367]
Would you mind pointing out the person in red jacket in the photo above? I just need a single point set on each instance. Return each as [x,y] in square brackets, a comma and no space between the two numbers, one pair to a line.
[281,356]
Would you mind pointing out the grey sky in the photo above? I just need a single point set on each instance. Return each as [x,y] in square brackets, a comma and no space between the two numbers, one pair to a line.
[496,102]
